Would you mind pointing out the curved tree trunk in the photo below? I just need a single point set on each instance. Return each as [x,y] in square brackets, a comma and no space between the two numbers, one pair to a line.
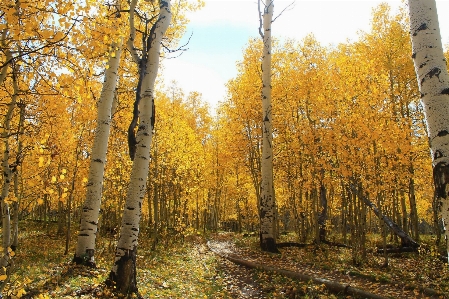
[123,273]
[85,247]
[433,80]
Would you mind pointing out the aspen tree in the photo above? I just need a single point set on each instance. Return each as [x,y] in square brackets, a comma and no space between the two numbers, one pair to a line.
[123,273]
[433,80]
[85,247]
[7,171]
[267,200]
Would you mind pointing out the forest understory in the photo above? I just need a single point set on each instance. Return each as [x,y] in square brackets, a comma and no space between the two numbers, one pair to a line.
[193,266]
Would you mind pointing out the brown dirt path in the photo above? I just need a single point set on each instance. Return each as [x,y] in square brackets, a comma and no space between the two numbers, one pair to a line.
[243,286]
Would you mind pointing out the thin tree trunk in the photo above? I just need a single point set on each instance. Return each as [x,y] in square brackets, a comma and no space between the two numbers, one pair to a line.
[406,241]
[413,210]
[16,204]
[70,199]
[323,213]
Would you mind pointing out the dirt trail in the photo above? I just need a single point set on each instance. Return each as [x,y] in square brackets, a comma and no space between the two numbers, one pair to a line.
[243,285]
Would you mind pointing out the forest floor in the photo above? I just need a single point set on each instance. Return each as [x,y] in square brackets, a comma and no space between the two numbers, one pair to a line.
[188,268]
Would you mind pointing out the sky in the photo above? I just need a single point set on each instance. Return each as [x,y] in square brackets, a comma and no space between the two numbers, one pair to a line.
[222,28]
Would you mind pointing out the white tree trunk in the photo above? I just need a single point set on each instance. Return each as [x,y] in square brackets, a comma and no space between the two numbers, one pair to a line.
[85,247]
[7,176]
[267,200]
[123,274]
[433,80]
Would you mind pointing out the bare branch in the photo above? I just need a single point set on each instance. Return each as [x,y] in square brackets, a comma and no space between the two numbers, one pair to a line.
[288,7]
[181,49]
[260,19]
[132,32]
[49,44]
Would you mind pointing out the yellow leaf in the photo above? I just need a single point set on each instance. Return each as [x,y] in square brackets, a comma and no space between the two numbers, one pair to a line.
[40,201]
[61,177]
[53,179]
[3,277]
[21,292]
[64,171]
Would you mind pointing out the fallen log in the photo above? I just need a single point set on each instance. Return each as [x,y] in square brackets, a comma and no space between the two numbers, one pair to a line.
[397,250]
[303,245]
[292,244]
[334,244]
[332,286]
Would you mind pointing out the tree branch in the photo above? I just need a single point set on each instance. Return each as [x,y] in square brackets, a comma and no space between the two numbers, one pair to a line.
[8,61]
[181,48]
[132,33]
[290,6]
[260,19]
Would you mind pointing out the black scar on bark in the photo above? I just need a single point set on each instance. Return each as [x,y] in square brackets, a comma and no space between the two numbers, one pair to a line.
[437,155]
[153,116]
[441,179]
[434,72]
[443,133]
[85,259]
[268,245]
[124,280]
[445,91]
[420,28]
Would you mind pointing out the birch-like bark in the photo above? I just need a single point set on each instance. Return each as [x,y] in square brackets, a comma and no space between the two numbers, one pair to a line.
[85,247]
[7,176]
[433,79]
[123,273]
[267,201]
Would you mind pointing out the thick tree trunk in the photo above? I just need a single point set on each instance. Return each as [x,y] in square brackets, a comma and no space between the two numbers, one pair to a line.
[267,200]
[433,80]
[85,247]
[123,273]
